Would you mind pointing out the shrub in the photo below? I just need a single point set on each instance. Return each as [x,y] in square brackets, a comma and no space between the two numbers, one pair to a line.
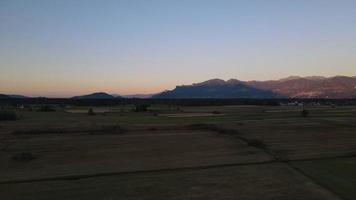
[40,131]
[46,108]
[202,126]
[7,115]
[257,143]
[212,127]
[114,129]
[152,129]
[141,107]
[24,156]
[305,113]
[91,112]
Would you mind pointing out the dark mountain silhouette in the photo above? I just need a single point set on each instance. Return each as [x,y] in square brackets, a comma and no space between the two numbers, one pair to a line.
[217,88]
[310,87]
[13,96]
[97,95]
[3,96]
[294,87]
[138,96]
[338,87]
[17,96]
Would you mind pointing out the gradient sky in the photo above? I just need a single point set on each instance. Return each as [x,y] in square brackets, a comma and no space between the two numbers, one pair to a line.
[60,48]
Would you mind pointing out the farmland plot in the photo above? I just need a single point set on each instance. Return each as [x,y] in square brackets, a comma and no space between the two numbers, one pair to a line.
[81,154]
[268,181]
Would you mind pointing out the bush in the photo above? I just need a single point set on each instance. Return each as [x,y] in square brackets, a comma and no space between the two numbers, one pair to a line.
[113,129]
[7,115]
[141,107]
[46,108]
[38,131]
[212,127]
[305,113]
[152,129]
[91,112]
[257,143]
[24,156]
[202,126]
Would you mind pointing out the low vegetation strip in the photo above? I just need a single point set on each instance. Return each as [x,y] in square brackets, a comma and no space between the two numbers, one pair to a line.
[212,127]
[6,115]
[121,129]
[83,176]
[173,115]
[111,129]
[257,143]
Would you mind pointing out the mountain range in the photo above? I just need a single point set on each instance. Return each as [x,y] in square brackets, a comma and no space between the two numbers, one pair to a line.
[217,88]
[291,87]
[138,96]
[311,87]
[336,87]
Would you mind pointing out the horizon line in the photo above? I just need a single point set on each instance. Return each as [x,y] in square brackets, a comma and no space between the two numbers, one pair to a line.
[153,93]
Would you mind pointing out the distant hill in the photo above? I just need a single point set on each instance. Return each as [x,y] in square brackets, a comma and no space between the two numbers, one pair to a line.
[311,87]
[13,96]
[3,96]
[138,96]
[217,88]
[16,96]
[97,95]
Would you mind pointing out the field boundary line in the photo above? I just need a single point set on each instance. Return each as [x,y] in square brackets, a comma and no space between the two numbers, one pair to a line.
[85,176]
[301,172]
[289,165]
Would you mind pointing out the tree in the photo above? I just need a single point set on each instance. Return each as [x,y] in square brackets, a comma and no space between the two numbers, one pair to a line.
[141,107]
[91,112]
[7,115]
[305,113]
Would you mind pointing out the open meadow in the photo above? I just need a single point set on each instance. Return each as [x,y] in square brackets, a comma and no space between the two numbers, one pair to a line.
[179,152]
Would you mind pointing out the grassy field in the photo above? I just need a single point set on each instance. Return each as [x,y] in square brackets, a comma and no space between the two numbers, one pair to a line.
[337,174]
[271,181]
[70,155]
[179,152]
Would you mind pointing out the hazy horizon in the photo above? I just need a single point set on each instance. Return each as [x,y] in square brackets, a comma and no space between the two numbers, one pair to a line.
[165,89]
[68,48]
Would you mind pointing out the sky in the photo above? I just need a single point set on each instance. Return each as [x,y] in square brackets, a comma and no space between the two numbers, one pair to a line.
[62,48]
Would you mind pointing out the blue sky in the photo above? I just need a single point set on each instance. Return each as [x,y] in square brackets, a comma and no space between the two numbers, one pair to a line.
[62,48]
